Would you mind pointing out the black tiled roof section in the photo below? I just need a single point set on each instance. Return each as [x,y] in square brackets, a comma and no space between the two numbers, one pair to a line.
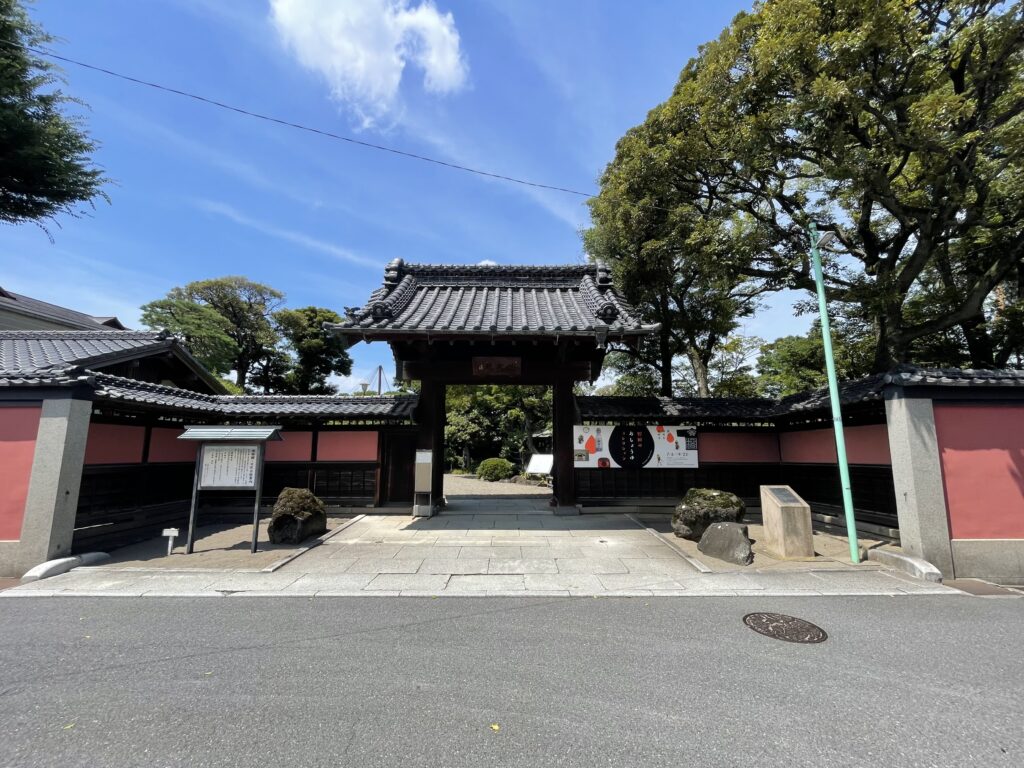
[597,408]
[911,376]
[854,391]
[493,300]
[26,305]
[29,352]
[120,389]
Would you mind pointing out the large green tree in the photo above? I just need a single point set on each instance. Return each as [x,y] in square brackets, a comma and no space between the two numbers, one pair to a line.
[236,324]
[895,124]
[493,420]
[675,255]
[317,354]
[205,332]
[46,165]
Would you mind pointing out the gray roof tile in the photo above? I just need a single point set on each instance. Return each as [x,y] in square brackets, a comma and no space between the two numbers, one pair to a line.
[493,300]
[52,313]
[35,351]
[120,389]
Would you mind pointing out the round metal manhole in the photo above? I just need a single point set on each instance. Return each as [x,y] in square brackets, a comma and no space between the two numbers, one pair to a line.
[783,627]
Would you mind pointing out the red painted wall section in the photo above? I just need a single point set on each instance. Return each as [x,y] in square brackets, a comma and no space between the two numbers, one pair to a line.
[293,446]
[347,446]
[114,444]
[19,426]
[738,447]
[981,448]
[864,445]
[164,446]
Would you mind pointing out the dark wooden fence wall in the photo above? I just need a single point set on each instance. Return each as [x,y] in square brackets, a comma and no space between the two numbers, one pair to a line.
[874,493]
[119,504]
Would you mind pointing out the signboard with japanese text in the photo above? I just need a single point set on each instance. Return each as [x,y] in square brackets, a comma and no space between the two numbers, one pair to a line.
[610,446]
[229,466]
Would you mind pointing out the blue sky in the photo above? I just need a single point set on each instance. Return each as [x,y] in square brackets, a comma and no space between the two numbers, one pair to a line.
[537,90]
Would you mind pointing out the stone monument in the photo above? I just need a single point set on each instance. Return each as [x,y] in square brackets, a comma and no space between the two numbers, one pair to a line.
[787,523]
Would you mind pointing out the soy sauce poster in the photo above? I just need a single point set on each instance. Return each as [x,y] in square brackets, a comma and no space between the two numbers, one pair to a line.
[606,446]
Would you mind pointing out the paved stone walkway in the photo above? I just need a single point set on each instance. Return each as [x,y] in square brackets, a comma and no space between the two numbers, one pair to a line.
[511,553]
[470,485]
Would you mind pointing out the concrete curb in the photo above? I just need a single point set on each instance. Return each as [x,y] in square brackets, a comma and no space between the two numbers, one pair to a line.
[62,565]
[701,568]
[298,553]
[912,566]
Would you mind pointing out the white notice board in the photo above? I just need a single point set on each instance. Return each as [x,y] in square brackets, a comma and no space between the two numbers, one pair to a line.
[229,466]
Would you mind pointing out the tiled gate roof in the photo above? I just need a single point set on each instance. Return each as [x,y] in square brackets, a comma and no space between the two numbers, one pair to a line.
[493,301]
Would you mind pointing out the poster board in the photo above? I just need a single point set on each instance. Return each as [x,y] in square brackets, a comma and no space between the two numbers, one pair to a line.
[229,467]
[611,446]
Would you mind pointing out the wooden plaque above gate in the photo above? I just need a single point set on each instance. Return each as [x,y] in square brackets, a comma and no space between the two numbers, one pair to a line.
[509,367]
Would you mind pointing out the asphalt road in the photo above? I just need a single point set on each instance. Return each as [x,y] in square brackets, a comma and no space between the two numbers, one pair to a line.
[902,681]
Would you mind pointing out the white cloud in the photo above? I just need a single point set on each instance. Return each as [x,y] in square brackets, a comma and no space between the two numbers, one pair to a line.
[361,47]
[288,235]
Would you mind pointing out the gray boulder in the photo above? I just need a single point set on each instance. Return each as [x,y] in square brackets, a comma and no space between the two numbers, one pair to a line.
[727,541]
[703,506]
[298,514]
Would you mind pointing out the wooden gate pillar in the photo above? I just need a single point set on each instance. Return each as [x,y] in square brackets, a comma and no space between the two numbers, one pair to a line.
[563,418]
[430,419]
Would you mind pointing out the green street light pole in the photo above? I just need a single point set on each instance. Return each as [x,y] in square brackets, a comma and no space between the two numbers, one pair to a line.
[833,391]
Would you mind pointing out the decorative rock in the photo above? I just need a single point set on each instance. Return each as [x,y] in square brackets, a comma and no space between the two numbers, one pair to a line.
[298,514]
[703,506]
[727,541]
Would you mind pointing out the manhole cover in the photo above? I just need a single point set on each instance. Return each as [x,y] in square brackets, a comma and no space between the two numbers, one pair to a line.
[783,627]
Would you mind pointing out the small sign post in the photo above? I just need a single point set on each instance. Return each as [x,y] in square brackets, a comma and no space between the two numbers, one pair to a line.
[229,459]
[170,533]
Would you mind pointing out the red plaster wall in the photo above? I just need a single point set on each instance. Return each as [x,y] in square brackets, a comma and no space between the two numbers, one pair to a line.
[293,446]
[114,444]
[19,426]
[739,447]
[164,446]
[347,446]
[981,448]
[864,445]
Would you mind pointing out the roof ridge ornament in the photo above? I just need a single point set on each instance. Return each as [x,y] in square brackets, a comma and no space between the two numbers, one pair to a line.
[393,272]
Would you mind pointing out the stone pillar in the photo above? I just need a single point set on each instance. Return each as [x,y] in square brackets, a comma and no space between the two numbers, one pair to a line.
[917,477]
[52,501]
[563,418]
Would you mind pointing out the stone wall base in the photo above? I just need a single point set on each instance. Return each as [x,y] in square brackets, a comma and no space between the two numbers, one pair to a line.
[997,560]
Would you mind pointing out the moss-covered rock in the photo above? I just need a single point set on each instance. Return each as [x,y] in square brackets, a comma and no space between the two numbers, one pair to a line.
[298,514]
[703,506]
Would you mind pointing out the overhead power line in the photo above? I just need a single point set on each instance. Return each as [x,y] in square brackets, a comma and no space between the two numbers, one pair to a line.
[298,126]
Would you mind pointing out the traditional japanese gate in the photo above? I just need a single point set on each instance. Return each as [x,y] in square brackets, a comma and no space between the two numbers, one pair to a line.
[548,325]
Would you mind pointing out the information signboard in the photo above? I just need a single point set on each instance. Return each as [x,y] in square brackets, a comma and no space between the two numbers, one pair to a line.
[610,446]
[228,467]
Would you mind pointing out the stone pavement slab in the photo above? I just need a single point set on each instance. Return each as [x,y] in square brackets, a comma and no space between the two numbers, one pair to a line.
[486,554]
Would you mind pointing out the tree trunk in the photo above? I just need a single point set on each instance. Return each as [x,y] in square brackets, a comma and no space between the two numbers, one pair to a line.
[665,356]
[700,373]
[979,342]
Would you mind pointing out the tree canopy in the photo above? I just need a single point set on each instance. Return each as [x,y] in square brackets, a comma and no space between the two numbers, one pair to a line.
[235,324]
[46,166]
[494,421]
[896,125]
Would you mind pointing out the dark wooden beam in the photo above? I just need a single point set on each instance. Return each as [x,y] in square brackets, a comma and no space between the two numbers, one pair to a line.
[563,418]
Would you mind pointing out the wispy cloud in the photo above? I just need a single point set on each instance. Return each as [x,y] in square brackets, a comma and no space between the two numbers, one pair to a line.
[362,48]
[288,235]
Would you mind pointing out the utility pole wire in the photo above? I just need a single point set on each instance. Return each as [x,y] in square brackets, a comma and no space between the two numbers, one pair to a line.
[298,126]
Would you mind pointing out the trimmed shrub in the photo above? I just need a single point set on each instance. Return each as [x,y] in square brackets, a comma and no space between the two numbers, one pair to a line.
[298,514]
[493,470]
